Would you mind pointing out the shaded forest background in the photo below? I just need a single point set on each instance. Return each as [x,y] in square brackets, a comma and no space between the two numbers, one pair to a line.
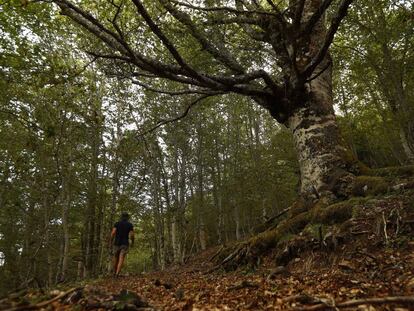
[77,146]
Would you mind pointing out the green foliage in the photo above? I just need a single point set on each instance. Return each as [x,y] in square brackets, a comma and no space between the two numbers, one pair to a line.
[395,171]
[374,79]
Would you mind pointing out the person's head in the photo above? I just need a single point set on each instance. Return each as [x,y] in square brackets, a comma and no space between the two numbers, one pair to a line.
[124,216]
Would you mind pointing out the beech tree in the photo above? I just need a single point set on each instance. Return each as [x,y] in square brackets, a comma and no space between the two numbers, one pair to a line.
[276,53]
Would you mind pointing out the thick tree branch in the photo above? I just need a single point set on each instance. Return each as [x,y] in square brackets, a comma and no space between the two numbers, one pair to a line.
[168,44]
[172,93]
[316,16]
[328,64]
[279,13]
[336,21]
[300,4]
[182,73]
[222,56]
[221,9]
[92,24]
[232,20]
[109,56]
[255,34]
[112,40]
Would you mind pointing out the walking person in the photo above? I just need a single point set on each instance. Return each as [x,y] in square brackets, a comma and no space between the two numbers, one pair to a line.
[121,233]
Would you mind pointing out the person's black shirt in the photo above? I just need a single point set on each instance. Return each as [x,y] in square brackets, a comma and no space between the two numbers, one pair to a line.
[123,228]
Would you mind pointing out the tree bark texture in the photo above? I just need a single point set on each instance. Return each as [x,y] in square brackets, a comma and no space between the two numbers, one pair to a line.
[324,167]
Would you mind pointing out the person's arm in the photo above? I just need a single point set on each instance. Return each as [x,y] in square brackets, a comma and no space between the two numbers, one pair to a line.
[132,237]
[112,237]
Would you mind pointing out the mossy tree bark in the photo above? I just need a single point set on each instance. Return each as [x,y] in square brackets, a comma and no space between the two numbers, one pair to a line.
[324,171]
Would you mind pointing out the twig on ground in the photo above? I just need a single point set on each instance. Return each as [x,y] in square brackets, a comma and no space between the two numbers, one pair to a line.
[243,284]
[302,298]
[385,227]
[44,303]
[406,300]
[360,232]
[216,253]
[368,255]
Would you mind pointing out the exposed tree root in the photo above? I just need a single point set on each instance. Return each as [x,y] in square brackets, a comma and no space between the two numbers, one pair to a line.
[339,218]
[249,250]
[270,223]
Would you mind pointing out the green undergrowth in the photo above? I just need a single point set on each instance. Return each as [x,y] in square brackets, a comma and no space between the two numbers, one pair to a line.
[393,172]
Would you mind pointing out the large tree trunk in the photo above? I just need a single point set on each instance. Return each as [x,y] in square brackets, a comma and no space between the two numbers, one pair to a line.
[321,155]
[323,158]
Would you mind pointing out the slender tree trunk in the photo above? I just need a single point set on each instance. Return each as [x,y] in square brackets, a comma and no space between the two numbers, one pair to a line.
[200,208]
[47,244]
[216,178]
[237,221]
[393,88]
[66,237]
[175,239]
[406,145]
[66,204]
[167,242]
[158,216]
[92,202]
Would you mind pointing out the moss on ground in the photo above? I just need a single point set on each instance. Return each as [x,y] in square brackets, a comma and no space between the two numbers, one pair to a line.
[369,185]
[307,218]
[299,206]
[320,214]
[269,239]
[356,166]
[313,230]
[393,171]
[332,214]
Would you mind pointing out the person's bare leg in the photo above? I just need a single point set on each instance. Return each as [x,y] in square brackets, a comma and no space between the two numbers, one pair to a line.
[115,262]
[120,261]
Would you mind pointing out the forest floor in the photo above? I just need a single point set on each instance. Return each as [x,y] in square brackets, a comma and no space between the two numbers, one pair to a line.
[371,270]
[315,278]
[313,281]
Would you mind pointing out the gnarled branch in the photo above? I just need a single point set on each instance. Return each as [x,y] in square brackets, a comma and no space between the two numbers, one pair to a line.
[336,21]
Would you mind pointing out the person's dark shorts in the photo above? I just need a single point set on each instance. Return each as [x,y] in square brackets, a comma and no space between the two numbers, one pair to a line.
[118,249]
